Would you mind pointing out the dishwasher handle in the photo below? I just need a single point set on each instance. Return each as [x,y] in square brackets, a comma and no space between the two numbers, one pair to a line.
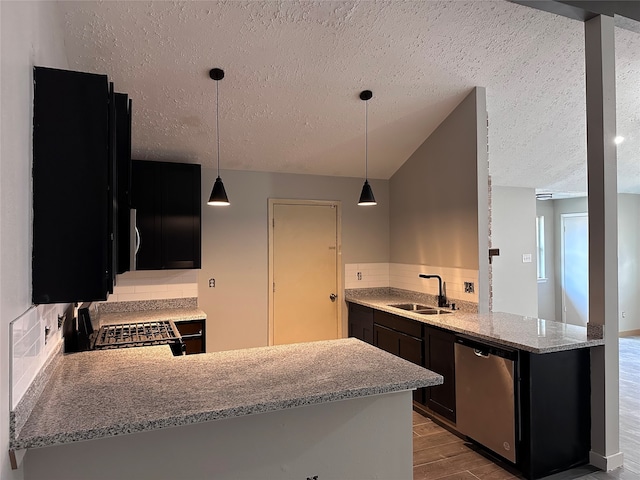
[486,349]
[480,353]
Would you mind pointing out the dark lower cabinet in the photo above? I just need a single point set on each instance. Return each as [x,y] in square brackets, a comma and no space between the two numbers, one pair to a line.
[193,335]
[166,197]
[361,322]
[555,410]
[439,357]
[399,341]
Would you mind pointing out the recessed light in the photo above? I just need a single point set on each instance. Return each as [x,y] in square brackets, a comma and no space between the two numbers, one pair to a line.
[618,140]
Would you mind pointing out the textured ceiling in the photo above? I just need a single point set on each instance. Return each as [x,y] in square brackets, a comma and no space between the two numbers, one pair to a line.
[294,69]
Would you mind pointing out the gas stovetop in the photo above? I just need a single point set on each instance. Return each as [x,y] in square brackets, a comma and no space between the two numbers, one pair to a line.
[162,332]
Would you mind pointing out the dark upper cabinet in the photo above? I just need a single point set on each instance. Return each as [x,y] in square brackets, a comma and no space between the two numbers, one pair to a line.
[123,108]
[72,257]
[166,197]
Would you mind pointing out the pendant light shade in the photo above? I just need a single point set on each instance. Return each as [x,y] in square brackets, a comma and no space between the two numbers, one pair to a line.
[366,197]
[218,193]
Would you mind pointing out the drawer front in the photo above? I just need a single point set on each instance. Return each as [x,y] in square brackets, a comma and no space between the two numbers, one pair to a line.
[190,327]
[401,324]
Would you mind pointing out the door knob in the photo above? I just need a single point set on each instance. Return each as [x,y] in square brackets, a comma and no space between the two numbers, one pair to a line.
[333,297]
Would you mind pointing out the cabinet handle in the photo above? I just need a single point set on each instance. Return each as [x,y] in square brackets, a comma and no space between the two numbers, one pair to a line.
[333,297]
[138,239]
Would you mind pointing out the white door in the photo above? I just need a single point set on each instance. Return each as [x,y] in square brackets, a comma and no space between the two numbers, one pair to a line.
[575,268]
[304,273]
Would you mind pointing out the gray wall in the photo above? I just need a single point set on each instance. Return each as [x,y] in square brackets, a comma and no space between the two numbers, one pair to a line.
[628,256]
[32,34]
[513,231]
[547,287]
[434,195]
[629,262]
[235,245]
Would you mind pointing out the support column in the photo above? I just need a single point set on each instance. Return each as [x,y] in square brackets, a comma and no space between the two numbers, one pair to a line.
[603,241]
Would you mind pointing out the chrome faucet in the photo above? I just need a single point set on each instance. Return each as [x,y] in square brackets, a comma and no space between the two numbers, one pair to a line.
[442,301]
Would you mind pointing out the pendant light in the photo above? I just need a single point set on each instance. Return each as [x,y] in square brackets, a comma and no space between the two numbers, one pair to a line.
[218,194]
[366,197]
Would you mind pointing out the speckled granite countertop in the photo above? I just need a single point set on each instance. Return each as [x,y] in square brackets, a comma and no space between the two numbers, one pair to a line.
[106,393]
[524,333]
[175,314]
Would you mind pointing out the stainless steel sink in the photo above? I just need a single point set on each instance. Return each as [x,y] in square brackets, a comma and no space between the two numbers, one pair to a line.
[418,308]
[411,307]
[432,311]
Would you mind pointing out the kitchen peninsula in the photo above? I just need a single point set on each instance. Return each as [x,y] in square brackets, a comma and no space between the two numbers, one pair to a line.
[519,386]
[356,420]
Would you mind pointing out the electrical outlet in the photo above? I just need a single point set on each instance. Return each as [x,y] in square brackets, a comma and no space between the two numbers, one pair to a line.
[212,283]
[468,287]
[359,275]
[526,258]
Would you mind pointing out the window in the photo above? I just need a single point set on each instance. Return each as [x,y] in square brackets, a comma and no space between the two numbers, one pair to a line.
[540,246]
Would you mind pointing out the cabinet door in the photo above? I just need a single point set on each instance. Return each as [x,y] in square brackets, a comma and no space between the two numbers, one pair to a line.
[123,180]
[401,345]
[193,335]
[166,197]
[555,405]
[145,182]
[71,191]
[361,322]
[440,357]
[180,215]
[386,339]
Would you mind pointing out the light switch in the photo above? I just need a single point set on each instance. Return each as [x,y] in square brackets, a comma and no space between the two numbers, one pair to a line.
[526,258]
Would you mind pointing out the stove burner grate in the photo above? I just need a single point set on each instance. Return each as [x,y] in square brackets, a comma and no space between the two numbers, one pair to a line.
[137,334]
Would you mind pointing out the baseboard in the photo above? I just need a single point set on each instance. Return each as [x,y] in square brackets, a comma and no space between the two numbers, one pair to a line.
[443,422]
[629,333]
[607,463]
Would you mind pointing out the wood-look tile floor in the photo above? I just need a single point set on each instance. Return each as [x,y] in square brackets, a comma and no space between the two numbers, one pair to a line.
[440,455]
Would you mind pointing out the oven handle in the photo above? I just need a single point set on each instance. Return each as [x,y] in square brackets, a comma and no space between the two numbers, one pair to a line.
[192,335]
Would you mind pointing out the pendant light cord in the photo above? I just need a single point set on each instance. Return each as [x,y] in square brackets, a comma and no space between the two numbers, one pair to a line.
[366,142]
[218,125]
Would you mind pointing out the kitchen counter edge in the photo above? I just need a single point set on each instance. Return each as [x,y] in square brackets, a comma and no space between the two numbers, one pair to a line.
[395,375]
[506,329]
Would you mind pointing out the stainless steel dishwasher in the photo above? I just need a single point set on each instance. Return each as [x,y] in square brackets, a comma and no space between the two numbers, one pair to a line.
[485,400]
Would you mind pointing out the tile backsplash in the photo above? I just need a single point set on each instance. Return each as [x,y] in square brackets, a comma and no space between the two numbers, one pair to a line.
[366,275]
[405,277]
[155,285]
[30,347]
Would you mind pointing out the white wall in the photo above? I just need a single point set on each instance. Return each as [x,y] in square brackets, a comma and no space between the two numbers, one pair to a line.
[547,287]
[358,438]
[154,285]
[31,34]
[513,231]
[235,245]
[569,205]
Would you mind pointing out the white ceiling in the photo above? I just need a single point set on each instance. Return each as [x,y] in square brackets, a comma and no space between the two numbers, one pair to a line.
[294,70]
